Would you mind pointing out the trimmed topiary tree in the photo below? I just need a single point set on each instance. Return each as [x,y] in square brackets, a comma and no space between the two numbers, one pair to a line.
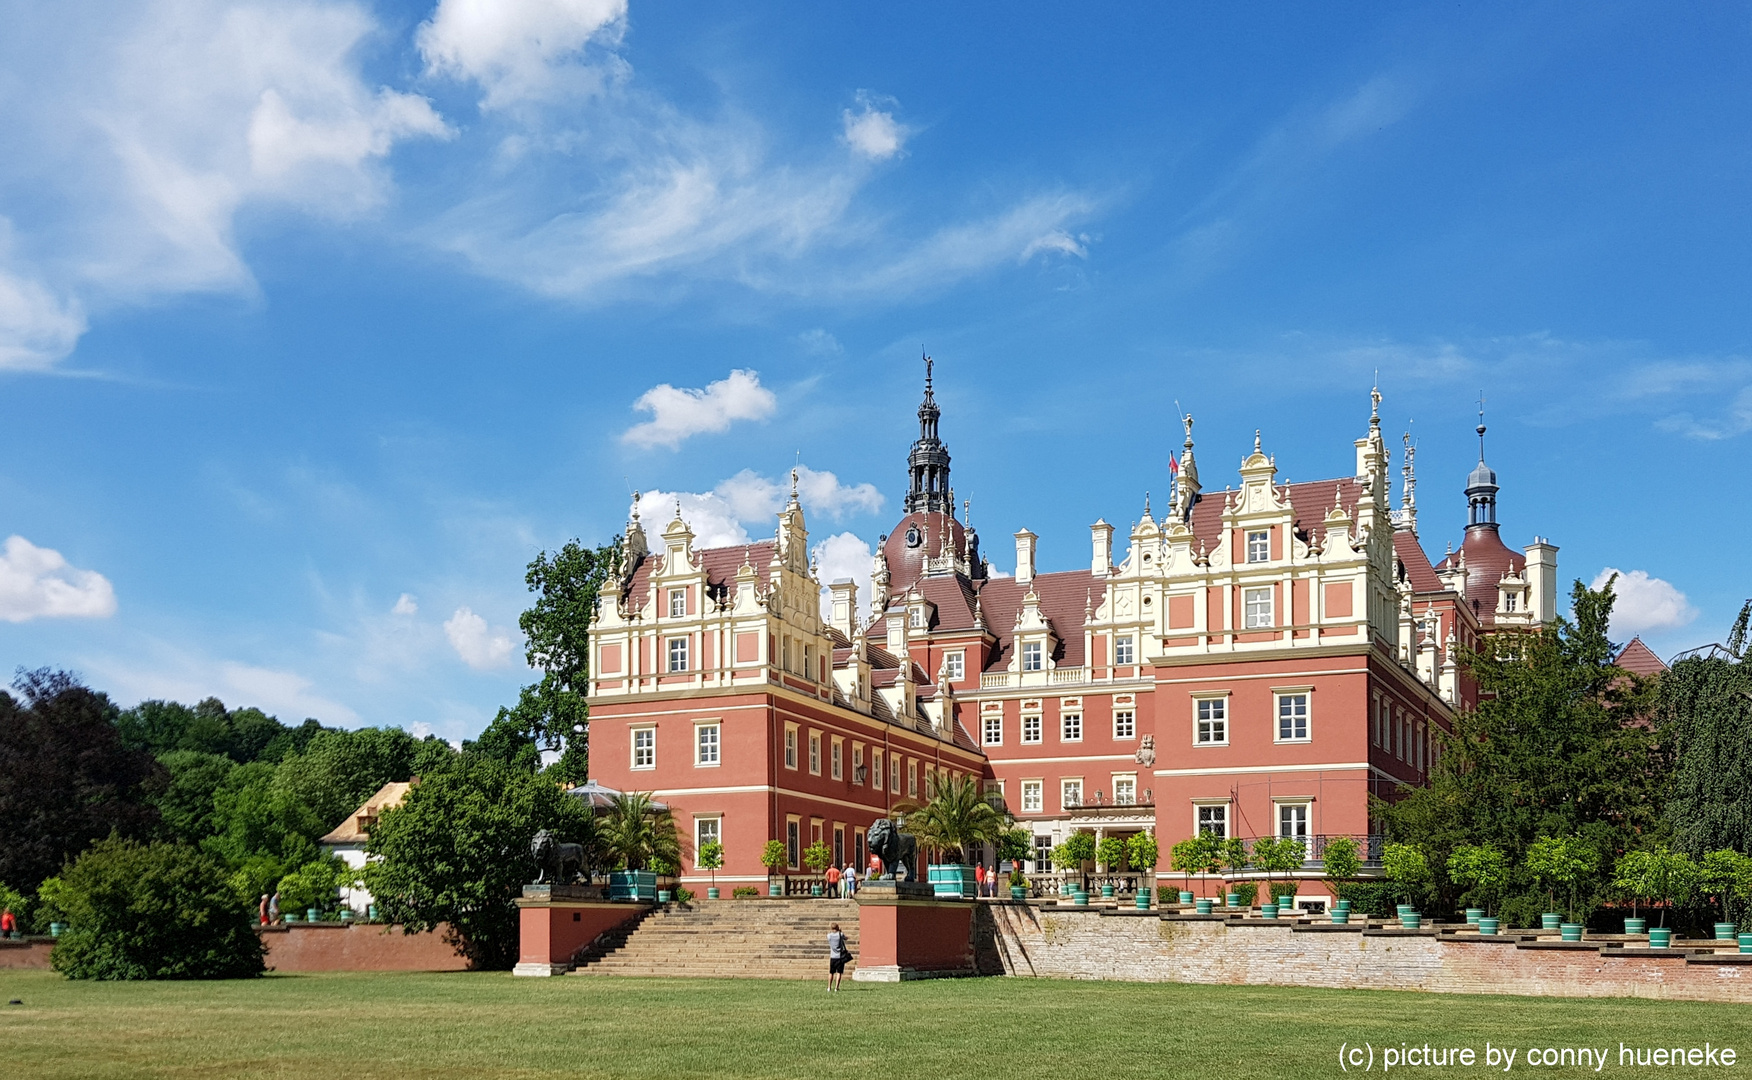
[151,911]
[1110,852]
[1483,870]
[1340,862]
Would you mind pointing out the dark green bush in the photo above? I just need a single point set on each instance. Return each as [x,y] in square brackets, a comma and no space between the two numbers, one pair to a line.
[742,891]
[1372,897]
[158,911]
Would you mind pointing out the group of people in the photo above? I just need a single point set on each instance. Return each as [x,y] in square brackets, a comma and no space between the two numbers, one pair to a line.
[269,908]
[844,883]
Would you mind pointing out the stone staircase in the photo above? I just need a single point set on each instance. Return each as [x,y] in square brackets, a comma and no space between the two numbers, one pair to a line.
[756,938]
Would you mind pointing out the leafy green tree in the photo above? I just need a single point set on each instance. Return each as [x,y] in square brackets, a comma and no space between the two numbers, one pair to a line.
[316,789]
[1408,868]
[1278,855]
[774,856]
[1562,862]
[1482,870]
[1340,861]
[158,911]
[1233,857]
[1016,845]
[66,778]
[958,815]
[1077,849]
[638,832]
[316,884]
[1725,876]
[456,853]
[1143,851]
[711,857]
[1706,720]
[816,857]
[243,735]
[185,805]
[551,713]
[1110,852]
[1657,873]
[252,818]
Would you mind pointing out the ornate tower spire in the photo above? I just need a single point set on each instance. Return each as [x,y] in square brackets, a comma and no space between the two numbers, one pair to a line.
[1407,518]
[1186,489]
[1481,486]
[928,488]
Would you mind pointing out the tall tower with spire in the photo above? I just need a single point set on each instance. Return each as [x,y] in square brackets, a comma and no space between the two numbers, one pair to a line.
[1481,488]
[928,490]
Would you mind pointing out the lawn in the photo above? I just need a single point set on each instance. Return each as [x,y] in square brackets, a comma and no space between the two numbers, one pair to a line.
[396,1025]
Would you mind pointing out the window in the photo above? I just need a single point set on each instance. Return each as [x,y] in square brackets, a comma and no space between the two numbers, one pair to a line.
[677,603]
[876,769]
[994,730]
[793,842]
[955,666]
[912,779]
[1213,818]
[815,752]
[706,831]
[644,748]
[677,654]
[790,747]
[1031,729]
[1125,724]
[1070,794]
[1509,602]
[916,618]
[1212,728]
[1122,651]
[706,744]
[1031,800]
[1255,608]
[858,776]
[894,775]
[1259,546]
[836,759]
[1292,717]
[1031,656]
[1293,820]
[839,844]
[1043,854]
[1071,727]
[1125,790]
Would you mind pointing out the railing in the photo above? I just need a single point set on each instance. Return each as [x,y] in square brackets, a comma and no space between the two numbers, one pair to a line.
[1100,801]
[1369,849]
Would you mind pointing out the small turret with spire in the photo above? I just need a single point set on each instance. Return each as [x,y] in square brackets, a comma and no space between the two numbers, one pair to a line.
[928,488]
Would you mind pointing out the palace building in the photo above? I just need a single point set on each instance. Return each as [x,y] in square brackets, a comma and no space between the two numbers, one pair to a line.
[1255,661]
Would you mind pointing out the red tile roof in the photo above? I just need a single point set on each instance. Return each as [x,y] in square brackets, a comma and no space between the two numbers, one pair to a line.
[1639,659]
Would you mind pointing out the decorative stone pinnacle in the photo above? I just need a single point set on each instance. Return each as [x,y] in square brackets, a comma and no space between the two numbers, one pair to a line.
[1256,440]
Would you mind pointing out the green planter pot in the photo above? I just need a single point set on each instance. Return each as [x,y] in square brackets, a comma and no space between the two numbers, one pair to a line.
[632,885]
[1203,907]
[1571,931]
[1185,897]
[1660,938]
[1080,899]
[1340,917]
[1411,920]
[775,890]
[1635,926]
[711,892]
[311,914]
[1746,943]
[1473,914]
[1489,927]
[55,928]
[1018,892]
[1066,888]
[371,912]
[290,917]
[1550,920]
[1269,911]
[1232,900]
[1143,900]
[815,889]
[1724,931]
[1404,909]
[663,896]
[1106,892]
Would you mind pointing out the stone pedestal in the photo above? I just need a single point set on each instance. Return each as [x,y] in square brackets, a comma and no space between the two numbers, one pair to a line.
[905,932]
[555,921]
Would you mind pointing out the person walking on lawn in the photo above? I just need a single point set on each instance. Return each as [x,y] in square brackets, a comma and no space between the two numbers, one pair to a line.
[837,955]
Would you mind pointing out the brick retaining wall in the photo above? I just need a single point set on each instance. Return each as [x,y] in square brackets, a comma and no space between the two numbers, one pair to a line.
[358,947]
[1046,941]
[26,953]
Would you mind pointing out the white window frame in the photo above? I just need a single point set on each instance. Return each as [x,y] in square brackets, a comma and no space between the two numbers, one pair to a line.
[1032,728]
[644,747]
[1033,655]
[1033,796]
[1130,779]
[1071,727]
[1125,724]
[790,746]
[836,758]
[875,768]
[1068,784]
[708,744]
[1042,854]
[1306,807]
[1259,545]
[678,603]
[955,665]
[1258,607]
[857,761]
[1281,698]
[701,839]
[815,753]
[1124,650]
[894,774]
[992,733]
[677,655]
[1221,704]
[915,619]
[1201,807]
[912,778]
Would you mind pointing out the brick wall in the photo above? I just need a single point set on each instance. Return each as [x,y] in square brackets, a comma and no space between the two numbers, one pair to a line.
[26,953]
[1071,944]
[360,947]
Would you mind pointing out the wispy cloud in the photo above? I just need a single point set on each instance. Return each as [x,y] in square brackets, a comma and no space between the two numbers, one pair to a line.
[873,132]
[678,414]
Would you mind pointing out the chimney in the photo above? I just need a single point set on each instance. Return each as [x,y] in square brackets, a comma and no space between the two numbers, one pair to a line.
[844,606]
[1542,579]
[1101,539]
[1025,556]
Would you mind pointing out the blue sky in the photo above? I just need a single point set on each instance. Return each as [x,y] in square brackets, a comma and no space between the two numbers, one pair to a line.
[319,320]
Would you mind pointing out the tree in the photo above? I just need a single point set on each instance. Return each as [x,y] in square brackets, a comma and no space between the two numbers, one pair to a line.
[243,735]
[1562,862]
[1280,855]
[711,857]
[958,815]
[316,884]
[1706,719]
[774,856]
[1077,849]
[66,778]
[1143,851]
[1232,856]
[816,857]
[640,832]
[317,789]
[456,853]
[158,911]
[1407,867]
[1726,877]
[552,712]
[185,805]
[1483,870]
[1340,861]
[1016,846]
[1657,873]
[1111,853]
[1554,748]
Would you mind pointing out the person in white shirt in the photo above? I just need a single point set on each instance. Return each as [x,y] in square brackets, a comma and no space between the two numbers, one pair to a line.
[850,880]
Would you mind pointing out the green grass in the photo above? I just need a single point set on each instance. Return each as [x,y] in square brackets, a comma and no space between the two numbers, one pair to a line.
[394,1025]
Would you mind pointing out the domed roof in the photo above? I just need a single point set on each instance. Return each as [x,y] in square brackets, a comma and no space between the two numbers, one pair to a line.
[1482,476]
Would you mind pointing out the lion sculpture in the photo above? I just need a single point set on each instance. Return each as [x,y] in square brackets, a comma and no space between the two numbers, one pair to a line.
[898,851]
[559,863]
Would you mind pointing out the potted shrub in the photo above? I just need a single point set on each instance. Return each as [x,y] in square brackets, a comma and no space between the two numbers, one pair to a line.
[815,859]
[1562,862]
[639,832]
[775,858]
[1658,874]
[1110,853]
[712,859]
[1018,885]
[1078,848]
[1484,872]
[1406,866]
[1185,859]
[1340,862]
[1280,855]
[1015,847]
[959,814]
[1726,877]
[1233,858]
[1142,851]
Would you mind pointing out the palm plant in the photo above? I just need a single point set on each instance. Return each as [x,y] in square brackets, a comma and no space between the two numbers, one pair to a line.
[640,832]
[958,815]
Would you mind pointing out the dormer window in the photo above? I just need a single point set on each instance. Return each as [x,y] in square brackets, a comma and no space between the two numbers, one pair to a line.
[677,603]
[916,618]
[1259,547]
[1031,656]
[1509,602]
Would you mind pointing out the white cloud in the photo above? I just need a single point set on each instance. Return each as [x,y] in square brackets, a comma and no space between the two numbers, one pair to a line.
[819,342]
[419,729]
[37,583]
[843,556]
[1644,604]
[405,605]
[871,132]
[282,693]
[479,646]
[179,675]
[677,414]
[719,517]
[1057,241]
[37,328]
[522,49]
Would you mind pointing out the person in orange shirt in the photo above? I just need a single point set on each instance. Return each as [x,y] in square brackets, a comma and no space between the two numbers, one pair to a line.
[8,924]
[833,876]
[979,878]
